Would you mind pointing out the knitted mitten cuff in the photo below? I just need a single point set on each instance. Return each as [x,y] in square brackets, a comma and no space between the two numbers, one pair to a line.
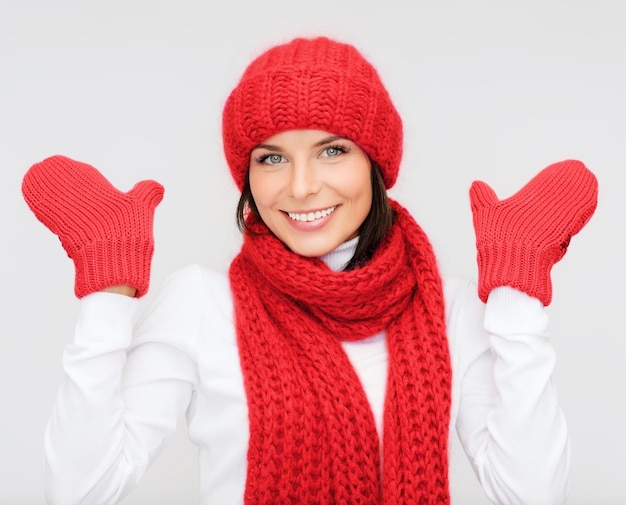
[517,265]
[111,262]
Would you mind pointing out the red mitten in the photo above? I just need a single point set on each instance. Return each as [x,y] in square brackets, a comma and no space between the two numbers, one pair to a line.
[520,238]
[107,233]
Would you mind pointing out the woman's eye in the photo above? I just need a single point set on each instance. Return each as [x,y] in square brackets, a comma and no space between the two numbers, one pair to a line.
[270,159]
[333,151]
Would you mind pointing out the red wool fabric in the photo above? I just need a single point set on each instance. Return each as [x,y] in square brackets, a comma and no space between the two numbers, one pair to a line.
[107,233]
[519,239]
[312,433]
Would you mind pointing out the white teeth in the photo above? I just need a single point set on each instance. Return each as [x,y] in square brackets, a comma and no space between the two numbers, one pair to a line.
[311,216]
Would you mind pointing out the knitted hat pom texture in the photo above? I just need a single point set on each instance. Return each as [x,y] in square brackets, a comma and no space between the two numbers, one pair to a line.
[316,83]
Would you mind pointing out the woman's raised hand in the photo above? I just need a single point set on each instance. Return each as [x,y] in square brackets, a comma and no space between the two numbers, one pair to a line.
[107,233]
[519,239]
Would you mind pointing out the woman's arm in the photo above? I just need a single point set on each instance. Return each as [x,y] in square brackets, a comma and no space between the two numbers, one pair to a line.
[102,436]
[125,390]
[509,420]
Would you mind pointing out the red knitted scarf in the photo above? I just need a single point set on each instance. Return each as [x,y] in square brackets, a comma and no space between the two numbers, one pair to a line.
[312,434]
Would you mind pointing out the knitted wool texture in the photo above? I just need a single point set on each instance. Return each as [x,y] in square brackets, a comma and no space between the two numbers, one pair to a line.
[312,84]
[107,233]
[312,433]
[519,239]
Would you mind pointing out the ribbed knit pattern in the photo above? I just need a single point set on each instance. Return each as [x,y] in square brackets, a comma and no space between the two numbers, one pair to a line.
[312,84]
[519,239]
[107,233]
[312,434]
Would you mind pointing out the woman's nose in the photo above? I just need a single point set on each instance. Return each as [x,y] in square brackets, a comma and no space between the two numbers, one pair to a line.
[303,180]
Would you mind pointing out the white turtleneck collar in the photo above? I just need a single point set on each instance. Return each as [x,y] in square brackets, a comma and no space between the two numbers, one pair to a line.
[339,257]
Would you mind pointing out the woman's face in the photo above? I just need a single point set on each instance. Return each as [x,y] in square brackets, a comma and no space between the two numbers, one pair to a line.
[311,188]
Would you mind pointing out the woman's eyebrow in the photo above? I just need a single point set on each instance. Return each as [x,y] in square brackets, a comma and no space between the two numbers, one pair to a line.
[319,143]
[269,147]
[328,140]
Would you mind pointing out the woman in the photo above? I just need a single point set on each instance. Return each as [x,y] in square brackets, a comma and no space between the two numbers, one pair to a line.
[333,363]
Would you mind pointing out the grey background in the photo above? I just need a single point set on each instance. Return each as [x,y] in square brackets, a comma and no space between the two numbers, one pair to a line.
[488,90]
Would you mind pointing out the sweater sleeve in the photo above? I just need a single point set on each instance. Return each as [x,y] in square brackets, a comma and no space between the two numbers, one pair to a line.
[125,388]
[509,421]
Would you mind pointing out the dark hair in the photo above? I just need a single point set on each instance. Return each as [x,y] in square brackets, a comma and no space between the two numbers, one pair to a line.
[374,227]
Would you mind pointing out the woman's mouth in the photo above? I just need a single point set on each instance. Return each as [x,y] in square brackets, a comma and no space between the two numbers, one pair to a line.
[311,216]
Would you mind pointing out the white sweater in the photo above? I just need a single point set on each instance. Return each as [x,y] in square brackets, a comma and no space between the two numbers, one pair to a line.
[127,386]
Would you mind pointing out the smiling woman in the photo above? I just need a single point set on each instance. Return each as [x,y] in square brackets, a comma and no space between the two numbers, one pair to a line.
[311,189]
[371,229]
[333,363]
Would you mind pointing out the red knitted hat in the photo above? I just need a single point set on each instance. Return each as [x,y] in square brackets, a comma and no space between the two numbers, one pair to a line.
[314,83]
